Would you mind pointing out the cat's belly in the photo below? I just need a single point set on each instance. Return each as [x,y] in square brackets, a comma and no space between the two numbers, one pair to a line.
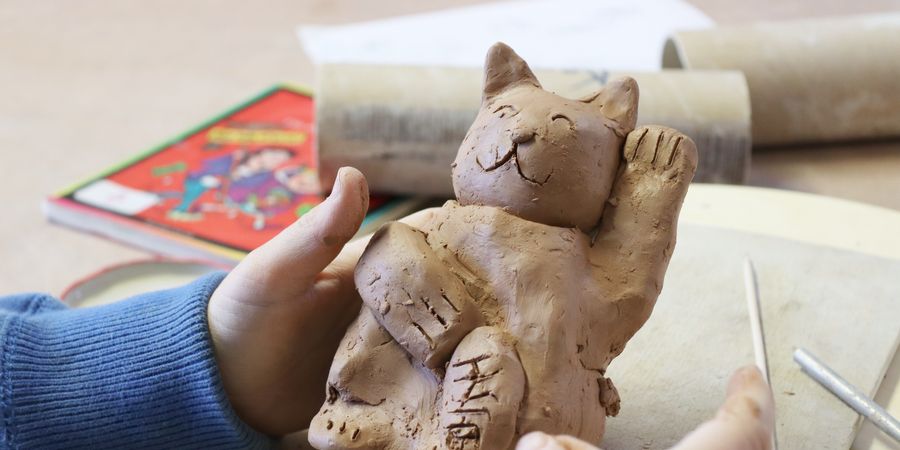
[536,281]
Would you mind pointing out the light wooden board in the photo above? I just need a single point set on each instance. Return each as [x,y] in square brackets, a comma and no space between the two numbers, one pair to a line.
[844,306]
[814,219]
[810,218]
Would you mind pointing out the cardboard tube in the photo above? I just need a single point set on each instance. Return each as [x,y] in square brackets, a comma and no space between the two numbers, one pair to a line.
[810,81]
[402,126]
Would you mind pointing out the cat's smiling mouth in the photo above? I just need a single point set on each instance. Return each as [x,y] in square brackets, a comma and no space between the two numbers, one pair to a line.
[512,154]
[498,160]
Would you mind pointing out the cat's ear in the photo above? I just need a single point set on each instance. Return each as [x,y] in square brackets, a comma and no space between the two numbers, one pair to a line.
[618,101]
[503,69]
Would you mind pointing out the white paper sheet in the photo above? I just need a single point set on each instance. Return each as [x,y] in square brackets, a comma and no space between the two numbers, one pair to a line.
[563,34]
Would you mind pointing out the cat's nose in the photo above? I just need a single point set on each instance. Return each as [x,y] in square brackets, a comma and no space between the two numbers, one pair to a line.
[522,136]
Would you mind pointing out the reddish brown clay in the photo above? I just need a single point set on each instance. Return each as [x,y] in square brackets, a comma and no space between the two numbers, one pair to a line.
[500,316]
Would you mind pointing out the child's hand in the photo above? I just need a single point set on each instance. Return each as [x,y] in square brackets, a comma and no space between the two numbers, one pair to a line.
[744,422]
[277,318]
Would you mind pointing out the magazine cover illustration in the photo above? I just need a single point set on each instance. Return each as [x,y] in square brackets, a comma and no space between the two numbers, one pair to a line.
[236,181]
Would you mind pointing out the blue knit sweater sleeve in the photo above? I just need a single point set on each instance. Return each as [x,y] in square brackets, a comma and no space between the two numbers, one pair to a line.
[139,373]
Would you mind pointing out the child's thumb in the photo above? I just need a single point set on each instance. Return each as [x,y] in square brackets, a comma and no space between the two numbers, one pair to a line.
[744,422]
[300,252]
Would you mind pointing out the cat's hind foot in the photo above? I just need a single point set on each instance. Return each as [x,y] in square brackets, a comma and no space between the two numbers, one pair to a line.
[483,389]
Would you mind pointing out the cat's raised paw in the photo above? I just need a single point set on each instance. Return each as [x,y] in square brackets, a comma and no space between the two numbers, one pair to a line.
[660,149]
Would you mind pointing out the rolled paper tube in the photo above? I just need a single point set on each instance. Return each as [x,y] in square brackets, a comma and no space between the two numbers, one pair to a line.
[810,81]
[402,126]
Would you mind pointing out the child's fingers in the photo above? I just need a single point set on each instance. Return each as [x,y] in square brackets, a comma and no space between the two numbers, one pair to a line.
[299,253]
[749,397]
[354,250]
[571,443]
[744,422]
[542,441]
[340,272]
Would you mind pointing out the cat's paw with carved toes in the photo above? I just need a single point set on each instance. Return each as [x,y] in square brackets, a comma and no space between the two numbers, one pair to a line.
[660,149]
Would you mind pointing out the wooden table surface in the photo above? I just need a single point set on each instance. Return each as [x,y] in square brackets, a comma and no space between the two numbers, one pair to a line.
[85,84]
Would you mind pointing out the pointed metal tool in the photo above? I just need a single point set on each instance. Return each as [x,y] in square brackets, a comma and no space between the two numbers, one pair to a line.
[847,393]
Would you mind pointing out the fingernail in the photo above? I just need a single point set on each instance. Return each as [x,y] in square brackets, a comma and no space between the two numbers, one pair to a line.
[536,441]
[747,377]
[748,395]
[338,183]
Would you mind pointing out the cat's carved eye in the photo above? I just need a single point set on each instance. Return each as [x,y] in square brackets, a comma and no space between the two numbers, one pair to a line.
[506,109]
[562,117]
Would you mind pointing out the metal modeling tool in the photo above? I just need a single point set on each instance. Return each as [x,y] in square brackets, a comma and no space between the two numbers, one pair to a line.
[756,327]
[847,393]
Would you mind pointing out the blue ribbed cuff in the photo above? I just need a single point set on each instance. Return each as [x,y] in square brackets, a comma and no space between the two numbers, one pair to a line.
[140,373]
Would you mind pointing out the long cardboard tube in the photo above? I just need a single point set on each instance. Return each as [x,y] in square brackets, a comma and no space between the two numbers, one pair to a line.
[402,126]
[810,81]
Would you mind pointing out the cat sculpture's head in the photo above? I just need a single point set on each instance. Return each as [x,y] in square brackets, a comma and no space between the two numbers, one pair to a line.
[540,156]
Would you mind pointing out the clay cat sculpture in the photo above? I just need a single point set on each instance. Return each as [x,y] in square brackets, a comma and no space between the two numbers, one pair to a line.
[501,316]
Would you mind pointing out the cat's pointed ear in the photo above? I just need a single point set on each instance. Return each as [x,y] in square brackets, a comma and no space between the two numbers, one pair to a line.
[618,101]
[503,69]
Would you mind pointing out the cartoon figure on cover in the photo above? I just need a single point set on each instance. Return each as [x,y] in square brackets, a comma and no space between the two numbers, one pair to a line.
[253,182]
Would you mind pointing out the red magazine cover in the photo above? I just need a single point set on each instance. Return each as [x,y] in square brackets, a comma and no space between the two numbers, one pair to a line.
[233,182]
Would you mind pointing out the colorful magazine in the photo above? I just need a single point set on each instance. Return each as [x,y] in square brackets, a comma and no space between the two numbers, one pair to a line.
[218,190]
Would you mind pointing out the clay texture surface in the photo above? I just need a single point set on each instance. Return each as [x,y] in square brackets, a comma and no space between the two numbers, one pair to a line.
[501,315]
